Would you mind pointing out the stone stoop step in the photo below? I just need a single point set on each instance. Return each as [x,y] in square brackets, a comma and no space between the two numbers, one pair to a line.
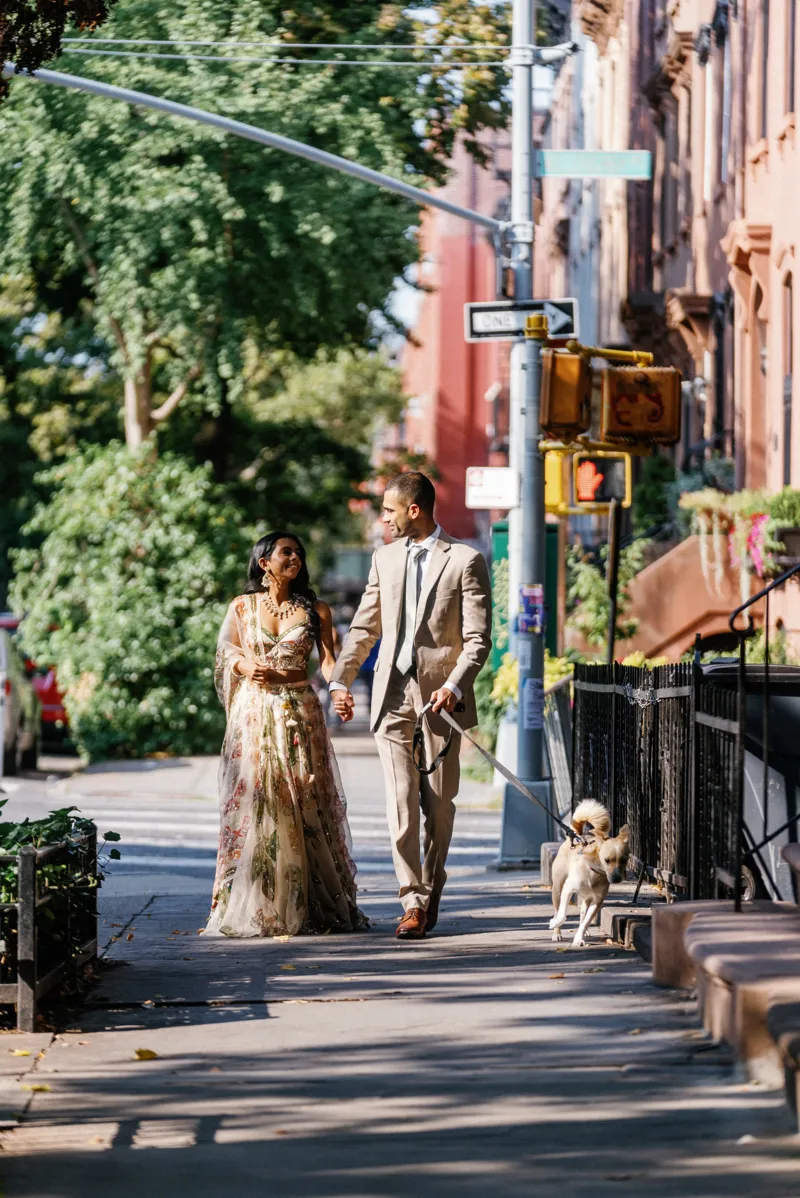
[783,1022]
[742,963]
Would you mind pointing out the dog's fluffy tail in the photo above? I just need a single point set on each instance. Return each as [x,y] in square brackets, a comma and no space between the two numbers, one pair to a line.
[589,811]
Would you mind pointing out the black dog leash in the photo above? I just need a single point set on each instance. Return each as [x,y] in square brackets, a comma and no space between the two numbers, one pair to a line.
[418,754]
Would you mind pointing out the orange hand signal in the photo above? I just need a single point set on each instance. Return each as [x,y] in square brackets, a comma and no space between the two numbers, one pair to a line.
[587,480]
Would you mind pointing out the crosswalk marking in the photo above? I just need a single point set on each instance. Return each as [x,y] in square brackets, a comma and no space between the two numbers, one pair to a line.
[178,834]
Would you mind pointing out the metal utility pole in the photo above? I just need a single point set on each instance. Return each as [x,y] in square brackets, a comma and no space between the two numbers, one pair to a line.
[524,826]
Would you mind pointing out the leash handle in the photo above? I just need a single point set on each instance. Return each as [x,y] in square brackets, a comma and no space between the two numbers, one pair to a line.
[418,746]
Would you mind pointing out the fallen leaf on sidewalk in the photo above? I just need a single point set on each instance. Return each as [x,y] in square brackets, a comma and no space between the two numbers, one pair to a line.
[214,1069]
[39,1088]
[146,1054]
[635,1031]
[596,969]
[19,1052]
[283,939]
[562,950]
[288,967]
[556,975]
[115,925]
[129,936]
[188,958]
[280,1131]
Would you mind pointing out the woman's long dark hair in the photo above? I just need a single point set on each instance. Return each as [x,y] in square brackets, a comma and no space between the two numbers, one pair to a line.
[300,590]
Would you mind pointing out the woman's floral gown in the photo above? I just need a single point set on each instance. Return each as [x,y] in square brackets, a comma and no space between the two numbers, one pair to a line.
[284,863]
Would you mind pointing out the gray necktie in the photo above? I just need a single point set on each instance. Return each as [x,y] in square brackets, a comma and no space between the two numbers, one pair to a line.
[405,652]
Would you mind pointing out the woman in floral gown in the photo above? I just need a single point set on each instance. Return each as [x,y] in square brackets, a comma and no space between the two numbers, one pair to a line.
[284,863]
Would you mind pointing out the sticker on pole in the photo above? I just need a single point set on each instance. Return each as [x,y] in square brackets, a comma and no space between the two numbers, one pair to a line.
[533,704]
[531,609]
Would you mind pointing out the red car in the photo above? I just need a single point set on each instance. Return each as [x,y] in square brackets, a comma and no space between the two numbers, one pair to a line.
[55,725]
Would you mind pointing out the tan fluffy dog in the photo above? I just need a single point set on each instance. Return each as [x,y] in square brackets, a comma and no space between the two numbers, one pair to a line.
[585,871]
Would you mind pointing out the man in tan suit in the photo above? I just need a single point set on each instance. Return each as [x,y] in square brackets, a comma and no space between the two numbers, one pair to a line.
[429,598]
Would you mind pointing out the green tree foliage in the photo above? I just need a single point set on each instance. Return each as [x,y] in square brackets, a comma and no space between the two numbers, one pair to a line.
[192,244]
[348,392]
[31,32]
[587,593]
[53,395]
[651,495]
[124,594]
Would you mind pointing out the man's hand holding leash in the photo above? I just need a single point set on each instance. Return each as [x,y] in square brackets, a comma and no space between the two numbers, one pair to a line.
[443,700]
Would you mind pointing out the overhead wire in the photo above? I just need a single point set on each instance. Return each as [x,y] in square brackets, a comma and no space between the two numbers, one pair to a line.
[285,45]
[300,62]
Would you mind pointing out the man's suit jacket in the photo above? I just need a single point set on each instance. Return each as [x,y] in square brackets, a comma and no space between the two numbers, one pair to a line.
[452,637]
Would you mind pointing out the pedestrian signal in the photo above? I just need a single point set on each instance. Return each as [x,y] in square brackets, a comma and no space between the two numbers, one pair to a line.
[641,405]
[566,408]
[600,477]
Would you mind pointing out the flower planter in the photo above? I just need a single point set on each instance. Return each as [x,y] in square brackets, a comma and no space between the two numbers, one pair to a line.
[790,539]
[50,932]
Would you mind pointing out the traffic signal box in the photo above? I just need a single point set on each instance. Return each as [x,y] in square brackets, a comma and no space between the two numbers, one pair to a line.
[566,409]
[641,405]
[597,478]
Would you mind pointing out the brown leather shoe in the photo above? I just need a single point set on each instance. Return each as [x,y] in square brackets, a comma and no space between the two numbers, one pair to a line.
[433,910]
[412,925]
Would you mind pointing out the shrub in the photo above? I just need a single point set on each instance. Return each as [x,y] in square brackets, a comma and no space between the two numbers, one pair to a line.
[587,593]
[135,559]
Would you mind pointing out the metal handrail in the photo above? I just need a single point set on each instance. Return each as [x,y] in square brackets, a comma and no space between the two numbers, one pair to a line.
[743,634]
[776,582]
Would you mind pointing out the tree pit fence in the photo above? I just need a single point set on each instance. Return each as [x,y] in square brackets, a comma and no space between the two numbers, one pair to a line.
[50,931]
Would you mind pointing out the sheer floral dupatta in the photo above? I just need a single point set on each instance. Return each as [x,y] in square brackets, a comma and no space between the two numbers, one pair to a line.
[284,861]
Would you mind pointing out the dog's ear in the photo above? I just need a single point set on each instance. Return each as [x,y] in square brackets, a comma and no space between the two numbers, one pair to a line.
[624,833]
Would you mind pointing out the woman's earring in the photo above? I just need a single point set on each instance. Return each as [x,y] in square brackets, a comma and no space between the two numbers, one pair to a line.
[265,579]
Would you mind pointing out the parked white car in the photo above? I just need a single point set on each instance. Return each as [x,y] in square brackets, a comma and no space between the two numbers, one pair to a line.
[20,711]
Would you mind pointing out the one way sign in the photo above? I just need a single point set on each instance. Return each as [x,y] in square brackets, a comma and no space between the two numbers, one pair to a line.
[504,320]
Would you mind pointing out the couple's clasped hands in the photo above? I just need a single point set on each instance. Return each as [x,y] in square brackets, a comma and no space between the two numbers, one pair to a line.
[344,703]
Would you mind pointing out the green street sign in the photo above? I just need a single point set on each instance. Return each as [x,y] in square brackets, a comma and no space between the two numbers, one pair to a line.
[594,164]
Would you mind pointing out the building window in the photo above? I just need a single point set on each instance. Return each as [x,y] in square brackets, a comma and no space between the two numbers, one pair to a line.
[788,359]
[725,139]
[764,65]
[791,60]
[708,135]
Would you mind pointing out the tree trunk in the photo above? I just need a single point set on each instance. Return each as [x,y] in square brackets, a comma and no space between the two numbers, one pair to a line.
[139,422]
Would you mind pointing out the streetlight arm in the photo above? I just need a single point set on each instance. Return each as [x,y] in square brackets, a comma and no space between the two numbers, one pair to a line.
[550,54]
[252,133]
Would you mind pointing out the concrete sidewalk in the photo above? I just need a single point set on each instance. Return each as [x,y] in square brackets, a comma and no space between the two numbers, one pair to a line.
[353,1067]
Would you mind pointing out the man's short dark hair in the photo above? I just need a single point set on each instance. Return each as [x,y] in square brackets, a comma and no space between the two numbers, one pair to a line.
[414,487]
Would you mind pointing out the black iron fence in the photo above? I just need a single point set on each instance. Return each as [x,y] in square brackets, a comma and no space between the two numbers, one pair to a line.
[632,752]
[50,931]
